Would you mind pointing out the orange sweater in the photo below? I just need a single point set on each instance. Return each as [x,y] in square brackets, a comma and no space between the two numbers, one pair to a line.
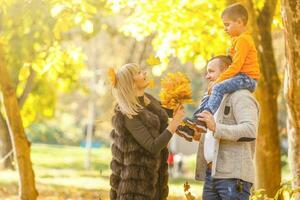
[244,58]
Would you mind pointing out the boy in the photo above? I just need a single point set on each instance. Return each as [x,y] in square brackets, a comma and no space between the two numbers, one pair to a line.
[243,72]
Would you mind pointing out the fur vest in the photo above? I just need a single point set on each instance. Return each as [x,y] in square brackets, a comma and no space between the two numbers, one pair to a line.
[136,173]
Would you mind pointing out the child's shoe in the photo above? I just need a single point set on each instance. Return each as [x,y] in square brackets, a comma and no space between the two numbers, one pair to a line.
[185,132]
[193,123]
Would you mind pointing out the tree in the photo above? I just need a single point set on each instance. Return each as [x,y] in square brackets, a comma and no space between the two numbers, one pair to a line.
[27,190]
[179,30]
[39,62]
[290,17]
[6,146]
[268,168]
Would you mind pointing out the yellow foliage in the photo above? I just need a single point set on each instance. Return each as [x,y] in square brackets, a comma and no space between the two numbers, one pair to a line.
[24,72]
[175,90]
[152,60]
[178,28]
[87,26]
[151,84]
[285,192]
[112,76]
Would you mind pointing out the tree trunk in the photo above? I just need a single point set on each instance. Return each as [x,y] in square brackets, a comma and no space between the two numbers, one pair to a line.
[27,190]
[89,132]
[131,52]
[290,16]
[5,145]
[5,141]
[28,88]
[268,168]
[268,165]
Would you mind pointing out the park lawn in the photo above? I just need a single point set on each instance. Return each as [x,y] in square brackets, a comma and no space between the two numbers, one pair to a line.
[60,174]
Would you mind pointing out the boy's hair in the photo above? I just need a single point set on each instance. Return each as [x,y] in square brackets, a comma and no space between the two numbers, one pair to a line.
[224,60]
[236,11]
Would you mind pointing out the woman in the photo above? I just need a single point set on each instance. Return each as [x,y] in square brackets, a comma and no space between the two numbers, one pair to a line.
[140,138]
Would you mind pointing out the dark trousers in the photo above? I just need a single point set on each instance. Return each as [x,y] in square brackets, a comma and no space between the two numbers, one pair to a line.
[225,189]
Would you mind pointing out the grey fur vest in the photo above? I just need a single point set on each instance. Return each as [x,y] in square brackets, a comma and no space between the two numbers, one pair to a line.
[136,173]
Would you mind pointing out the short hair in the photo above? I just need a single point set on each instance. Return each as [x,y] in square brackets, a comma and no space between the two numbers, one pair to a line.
[224,60]
[236,11]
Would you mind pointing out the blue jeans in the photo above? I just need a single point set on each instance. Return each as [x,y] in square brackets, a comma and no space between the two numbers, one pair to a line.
[225,189]
[240,81]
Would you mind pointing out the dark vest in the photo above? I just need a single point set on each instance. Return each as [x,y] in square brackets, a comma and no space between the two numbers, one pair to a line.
[136,173]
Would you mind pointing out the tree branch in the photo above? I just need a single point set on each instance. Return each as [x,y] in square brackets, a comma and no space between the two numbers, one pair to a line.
[131,52]
[271,4]
[28,88]
[267,13]
[146,44]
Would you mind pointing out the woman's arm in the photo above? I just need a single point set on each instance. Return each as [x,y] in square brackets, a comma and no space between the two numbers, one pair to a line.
[144,138]
[169,112]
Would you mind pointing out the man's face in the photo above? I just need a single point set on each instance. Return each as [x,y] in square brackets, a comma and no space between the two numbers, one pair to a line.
[213,70]
[231,27]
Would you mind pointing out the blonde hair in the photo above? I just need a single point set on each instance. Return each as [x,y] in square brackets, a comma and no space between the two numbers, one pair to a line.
[125,91]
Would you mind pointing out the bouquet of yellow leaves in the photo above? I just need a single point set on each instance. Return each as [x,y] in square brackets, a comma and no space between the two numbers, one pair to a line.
[175,90]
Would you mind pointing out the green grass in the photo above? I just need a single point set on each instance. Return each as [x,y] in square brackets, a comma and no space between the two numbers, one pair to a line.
[62,157]
[60,169]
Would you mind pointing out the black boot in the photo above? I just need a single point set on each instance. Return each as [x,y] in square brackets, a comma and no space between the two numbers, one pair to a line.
[185,132]
[195,124]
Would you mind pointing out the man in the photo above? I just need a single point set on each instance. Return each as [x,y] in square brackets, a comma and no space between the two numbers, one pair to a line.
[225,154]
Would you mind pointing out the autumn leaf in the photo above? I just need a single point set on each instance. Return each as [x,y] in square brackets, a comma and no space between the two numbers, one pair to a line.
[151,84]
[188,194]
[186,186]
[112,76]
[152,60]
[175,90]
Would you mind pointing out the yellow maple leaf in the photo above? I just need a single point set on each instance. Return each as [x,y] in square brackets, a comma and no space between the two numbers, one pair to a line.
[112,76]
[188,194]
[152,60]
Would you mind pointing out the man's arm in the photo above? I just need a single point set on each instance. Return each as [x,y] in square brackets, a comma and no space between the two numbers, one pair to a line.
[246,113]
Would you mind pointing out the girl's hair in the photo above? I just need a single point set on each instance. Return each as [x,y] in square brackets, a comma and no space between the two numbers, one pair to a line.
[125,91]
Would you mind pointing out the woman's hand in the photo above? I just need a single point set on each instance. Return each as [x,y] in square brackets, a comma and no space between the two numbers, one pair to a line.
[177,119]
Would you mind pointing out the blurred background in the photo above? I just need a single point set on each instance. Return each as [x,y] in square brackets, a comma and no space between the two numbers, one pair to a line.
[57,53]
